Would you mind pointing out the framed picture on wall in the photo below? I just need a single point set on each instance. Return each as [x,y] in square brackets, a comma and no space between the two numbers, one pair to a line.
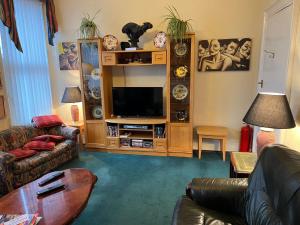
[2,108]
[224,54]
[68,56]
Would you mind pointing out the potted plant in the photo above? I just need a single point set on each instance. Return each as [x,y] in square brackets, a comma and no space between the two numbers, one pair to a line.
[88,28]
[177,27]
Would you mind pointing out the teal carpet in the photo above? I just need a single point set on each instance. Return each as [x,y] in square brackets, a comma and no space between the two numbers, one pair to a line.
[141,190]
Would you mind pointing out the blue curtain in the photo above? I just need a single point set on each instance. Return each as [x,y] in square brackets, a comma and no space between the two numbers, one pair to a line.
[27,74]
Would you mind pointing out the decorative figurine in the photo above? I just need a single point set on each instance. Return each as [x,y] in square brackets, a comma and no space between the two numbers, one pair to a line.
[135,31]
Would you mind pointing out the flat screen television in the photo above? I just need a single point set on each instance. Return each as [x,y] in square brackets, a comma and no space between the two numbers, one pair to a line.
[138,101]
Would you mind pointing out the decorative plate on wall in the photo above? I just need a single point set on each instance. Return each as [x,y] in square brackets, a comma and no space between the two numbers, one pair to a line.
[160,39]
[181,115]
[181,71]
[97,112]
[180,92]
[94,87]
[110,42]
[181,49]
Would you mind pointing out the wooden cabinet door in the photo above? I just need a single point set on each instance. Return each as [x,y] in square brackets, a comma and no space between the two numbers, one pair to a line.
[180,139]
[95,134]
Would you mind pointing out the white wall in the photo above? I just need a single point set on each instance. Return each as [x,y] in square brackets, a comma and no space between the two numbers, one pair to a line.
[221,98]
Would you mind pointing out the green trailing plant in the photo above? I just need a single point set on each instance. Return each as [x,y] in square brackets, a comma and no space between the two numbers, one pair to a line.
[88,28]
[177,27]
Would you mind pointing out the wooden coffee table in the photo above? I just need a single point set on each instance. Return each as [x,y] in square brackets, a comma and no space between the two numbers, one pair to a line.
[60,207]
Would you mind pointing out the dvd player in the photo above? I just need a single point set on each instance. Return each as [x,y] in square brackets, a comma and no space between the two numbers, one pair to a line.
[145,127]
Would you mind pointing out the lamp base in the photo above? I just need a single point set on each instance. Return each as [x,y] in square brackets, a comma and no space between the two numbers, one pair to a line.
[75,113]
[264,137]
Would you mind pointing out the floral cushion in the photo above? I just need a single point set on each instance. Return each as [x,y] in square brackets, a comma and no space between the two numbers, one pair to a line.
[49,137]
[22,153]
[47,121]
[40,145]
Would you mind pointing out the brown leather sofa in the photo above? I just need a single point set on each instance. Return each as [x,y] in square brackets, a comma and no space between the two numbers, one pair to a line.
[272,196]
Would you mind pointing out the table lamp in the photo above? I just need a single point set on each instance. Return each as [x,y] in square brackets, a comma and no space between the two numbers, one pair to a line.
[72,95]
[269,111]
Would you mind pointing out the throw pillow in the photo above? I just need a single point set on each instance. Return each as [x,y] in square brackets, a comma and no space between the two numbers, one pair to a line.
[22,154]
[49,137]
[39,145]
[47,121]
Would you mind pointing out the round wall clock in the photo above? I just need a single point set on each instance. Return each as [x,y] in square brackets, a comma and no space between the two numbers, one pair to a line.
[181,71]
[180,92]
[110,42]
[180,49]
[160,39]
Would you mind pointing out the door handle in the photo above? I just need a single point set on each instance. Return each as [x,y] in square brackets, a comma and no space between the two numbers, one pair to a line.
[271,54]
[261,83]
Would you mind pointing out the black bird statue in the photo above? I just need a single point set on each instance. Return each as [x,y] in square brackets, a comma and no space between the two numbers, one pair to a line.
[134,31]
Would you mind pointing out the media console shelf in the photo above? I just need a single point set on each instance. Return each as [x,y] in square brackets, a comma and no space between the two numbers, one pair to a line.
[137,135]
[101,71]
[134,58]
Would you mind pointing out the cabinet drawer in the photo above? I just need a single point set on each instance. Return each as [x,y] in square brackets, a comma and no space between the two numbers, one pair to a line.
[112,142]
[160,144]
[108,58]
[159,58]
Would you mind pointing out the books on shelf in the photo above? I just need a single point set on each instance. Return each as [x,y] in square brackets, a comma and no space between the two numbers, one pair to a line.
[112,131]
[19,219]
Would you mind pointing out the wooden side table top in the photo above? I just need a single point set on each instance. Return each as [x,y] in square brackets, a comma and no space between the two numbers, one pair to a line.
[243,162]
[60,207]
[212,131]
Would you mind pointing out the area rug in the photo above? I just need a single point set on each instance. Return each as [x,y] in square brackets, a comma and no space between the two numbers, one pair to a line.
[140,190]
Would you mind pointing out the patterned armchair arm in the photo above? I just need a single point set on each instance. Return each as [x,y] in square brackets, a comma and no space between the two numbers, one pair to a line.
[66,131]
[6,174]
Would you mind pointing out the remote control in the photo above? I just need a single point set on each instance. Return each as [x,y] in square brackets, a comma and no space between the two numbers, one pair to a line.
[50,189]
[51,178]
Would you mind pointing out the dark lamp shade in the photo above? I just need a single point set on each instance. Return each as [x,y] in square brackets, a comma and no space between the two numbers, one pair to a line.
[271,111]
[71,95]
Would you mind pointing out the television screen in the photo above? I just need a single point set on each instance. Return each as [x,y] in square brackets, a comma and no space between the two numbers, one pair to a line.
[138,101]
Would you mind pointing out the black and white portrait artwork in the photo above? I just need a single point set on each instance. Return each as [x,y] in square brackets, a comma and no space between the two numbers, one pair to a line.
[224,54]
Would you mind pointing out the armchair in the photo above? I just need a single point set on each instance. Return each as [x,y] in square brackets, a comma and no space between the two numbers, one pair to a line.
[271,196]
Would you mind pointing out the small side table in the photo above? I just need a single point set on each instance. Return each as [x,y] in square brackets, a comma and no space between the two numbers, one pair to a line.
[80,126]
[213,132]
[242,164]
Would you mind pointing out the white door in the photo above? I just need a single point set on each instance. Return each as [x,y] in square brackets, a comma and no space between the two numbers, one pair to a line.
[275,52]
[276,44]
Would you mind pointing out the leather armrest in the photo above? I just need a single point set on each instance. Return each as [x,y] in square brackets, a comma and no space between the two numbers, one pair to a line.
[227,195]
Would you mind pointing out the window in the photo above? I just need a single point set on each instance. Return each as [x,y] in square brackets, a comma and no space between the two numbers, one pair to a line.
[27,74]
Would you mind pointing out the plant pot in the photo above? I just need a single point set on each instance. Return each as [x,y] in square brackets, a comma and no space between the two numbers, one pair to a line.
[89,32]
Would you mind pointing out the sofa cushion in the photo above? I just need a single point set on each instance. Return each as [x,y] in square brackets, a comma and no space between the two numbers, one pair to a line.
[43,157]
[49,137]
[47,121]
[40,145]
[22,153]
[17,136]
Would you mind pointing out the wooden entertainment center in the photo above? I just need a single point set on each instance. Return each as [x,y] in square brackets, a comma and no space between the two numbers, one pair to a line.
[170,135]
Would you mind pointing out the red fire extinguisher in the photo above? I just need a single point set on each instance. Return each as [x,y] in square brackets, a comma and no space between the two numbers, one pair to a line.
[246,138]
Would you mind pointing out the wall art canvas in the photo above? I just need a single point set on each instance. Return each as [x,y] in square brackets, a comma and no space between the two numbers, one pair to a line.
[2,107]
[68,57]
[224,54]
